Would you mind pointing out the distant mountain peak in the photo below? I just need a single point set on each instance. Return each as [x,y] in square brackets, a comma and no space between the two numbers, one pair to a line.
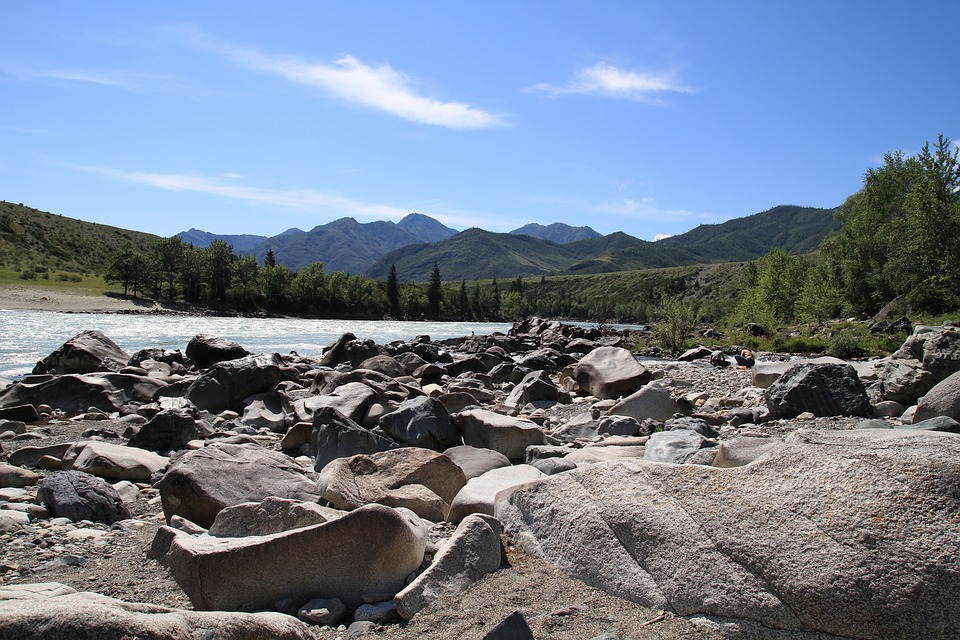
[557,232]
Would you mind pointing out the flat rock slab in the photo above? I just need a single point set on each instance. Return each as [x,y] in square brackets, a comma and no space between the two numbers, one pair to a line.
[113,461]
[52,611]
[368,551]
[851,533]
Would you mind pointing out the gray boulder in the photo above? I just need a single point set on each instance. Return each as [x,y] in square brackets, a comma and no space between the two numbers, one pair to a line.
[472,552]
[351,399]
[479,494]
[368,551]
[421,480]
[86,352]
[422,422]
[272,410]
[475,461]
[226,384]
[198,484]
[272,515]
[112,461]
[928,356]
[81,496]
[822,389]
[206,350]
[51,611]
[74,393]
[835,532]
[675,447]
[489,430]
[652,401]
[336,436]
[610,372]
[941,400]
[537,386]
[168,430]
[17,477]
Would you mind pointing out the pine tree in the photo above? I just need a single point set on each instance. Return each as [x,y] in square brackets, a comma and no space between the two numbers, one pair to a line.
[393,291]
[435,292]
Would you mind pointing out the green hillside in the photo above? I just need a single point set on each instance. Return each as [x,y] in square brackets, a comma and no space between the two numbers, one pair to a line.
[31,238]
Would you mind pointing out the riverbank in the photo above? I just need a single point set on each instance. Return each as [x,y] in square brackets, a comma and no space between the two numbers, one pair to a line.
[21,298]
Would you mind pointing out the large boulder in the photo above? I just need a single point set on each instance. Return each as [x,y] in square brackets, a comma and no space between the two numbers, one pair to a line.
[850,533]
[74,393]
[653,401]
[206,350]
[168,430]
[352,399]
[480,493]
[272,410]
[52,611]
[198,484]
[80,496]
[421,480]
[928,356]
[422,422]
[368,552]
[942,400]
[271,515]
[86,352]
[471,552]
[821,389]
[113,461]
[225,385]
[609,373]
[475,461]
[674,447]
[336,436]
[489,430]
[537,386]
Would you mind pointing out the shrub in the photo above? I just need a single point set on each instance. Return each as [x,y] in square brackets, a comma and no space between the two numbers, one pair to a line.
[845,345]
[675,321]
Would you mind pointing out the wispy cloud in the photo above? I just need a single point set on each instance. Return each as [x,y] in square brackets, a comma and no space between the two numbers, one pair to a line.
[347,78]
[608,81]
[647,209]
[139,83]
[227,186]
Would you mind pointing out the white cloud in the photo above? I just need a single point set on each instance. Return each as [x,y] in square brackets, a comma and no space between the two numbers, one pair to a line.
[661,236]
[377,87]
[613,82]
[309,199]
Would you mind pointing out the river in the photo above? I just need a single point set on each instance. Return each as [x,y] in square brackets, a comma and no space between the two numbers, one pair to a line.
[28,336]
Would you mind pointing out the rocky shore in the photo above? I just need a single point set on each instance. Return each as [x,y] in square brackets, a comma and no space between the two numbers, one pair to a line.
[544,484]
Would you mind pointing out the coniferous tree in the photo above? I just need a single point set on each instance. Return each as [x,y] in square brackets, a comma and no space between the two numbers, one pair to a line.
[435,291]
[393,291]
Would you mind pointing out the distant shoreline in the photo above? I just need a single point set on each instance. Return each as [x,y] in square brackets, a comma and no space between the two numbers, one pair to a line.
[18,298]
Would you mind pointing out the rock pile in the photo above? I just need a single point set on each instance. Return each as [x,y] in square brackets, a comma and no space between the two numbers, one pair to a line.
[765,497]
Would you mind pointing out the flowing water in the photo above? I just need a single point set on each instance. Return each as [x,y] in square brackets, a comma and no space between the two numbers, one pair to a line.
[28,336]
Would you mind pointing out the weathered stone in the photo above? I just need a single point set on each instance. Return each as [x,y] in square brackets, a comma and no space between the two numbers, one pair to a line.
[75,393]
[20,413]
[336,436]
[368,551]
[226,384]
[471,552]
[113,461]
[927,357]
[674,447]
[11,476]
[421,480]
[198,484]
[81,496]
[352,400]
[537,386]
[51,611]
[489,430]
[86,352]
[168,430]
[422,422]
[941,400]
[30,456]
[272,515]
[206,350]
[835,532]
[475,461]
[479,494]
[652,400]
[323,611]
[272,410]
[609,373]
[823,390]
[743,450]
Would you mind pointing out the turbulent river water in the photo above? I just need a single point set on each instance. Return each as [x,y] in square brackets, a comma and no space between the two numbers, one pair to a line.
[28,336]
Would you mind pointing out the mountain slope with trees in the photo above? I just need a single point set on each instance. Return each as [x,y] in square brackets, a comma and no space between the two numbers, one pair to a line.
[557,232]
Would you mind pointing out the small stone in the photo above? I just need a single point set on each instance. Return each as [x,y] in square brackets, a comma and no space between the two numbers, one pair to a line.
[323,611]
[379,613]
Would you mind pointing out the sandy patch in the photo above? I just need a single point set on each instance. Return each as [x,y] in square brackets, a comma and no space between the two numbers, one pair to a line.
[38,299]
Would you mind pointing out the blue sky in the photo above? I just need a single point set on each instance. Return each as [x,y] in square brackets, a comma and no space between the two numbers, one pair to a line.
[643,117]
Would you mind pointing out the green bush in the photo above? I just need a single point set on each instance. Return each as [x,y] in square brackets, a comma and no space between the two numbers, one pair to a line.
[28,274]
[845,345]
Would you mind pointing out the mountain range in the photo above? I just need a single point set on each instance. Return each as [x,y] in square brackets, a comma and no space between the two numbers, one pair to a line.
[418,241]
